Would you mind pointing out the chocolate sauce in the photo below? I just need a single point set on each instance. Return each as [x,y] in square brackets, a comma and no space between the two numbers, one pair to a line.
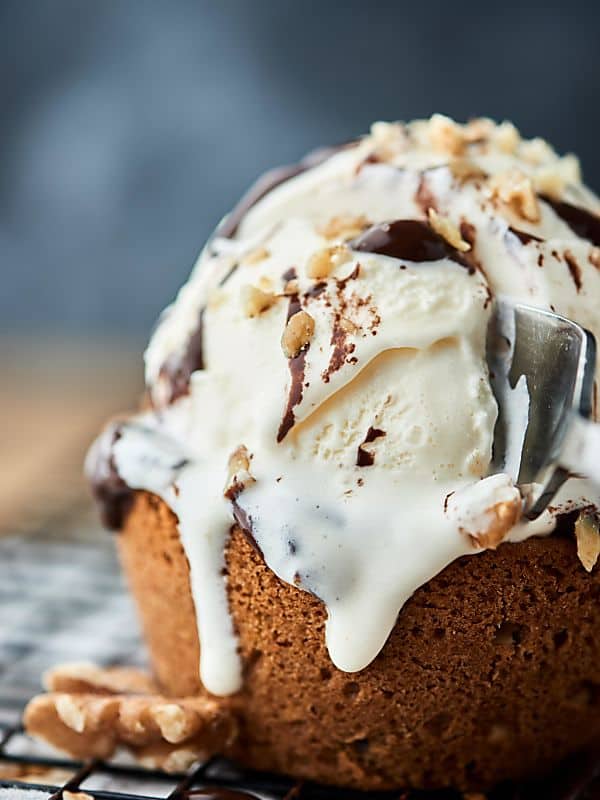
[245,523]
[408,239]
[468,232]
[524,237]
[289,275]
[177,369]
[372,158]
[352,276]
[364,458]
[342,348]
[574,269]
[271,180]
[582,222]
[112,495]
[296,366]
[316,289]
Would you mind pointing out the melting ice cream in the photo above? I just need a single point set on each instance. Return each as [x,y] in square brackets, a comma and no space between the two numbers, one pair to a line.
[321,379]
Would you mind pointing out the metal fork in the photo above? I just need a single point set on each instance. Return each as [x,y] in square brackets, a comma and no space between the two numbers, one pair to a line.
[542,370]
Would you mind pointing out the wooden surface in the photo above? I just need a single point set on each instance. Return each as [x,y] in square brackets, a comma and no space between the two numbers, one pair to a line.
[55,394]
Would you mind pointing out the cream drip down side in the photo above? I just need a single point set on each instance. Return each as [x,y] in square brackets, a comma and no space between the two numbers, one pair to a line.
[321,379]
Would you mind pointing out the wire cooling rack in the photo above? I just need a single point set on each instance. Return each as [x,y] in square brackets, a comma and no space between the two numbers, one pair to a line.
[577,779]
[61,599]
[216,778]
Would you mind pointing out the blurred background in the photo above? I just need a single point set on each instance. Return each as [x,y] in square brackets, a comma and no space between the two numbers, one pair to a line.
[129,127]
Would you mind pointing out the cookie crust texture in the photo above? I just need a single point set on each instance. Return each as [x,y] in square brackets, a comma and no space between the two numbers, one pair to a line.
[490,673]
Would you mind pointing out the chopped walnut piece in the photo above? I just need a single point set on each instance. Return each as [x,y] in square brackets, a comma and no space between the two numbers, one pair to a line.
[570,168]
[463,169]
[166,758]
[239,460]
[82,677]
[554,178]
[216,297]
[176,722]
[477,129]
[255,301]
[321,263]
[238,472]
[504,516]
[343,226]
[167,731]
[70,712]
[35,773]
[265,283]
[548,181]
[507,137]
[348,326]
[67,795]
[516,190]
[587,534]
[297,334]
[536,151]
[446,135]
[447,230]
[389,138]
[254,256]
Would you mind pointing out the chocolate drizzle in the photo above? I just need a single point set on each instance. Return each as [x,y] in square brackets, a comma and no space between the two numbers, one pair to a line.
[289,275]
[364,458]
[372,158]
[408,239]
[271,180]
[244,522]
[177,369]
[342,348]
[296,365]
[316,290]
[156,454]
[524,237]
[468,232]
[112,495]
[574,269]
[582,222]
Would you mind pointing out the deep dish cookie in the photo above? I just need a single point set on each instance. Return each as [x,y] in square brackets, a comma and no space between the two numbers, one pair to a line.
[301,502]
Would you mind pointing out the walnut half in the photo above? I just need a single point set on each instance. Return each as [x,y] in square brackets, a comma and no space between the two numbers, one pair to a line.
[162,732]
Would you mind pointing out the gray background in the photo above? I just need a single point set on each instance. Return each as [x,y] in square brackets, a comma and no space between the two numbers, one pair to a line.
[128,127]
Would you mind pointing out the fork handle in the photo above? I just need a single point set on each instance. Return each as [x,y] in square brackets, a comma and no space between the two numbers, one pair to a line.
[581,450]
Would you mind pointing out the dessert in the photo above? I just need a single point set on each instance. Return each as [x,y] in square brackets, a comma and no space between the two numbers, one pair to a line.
[299,504]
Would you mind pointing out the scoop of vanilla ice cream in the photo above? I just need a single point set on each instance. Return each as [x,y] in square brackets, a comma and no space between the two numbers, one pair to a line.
[322,375]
